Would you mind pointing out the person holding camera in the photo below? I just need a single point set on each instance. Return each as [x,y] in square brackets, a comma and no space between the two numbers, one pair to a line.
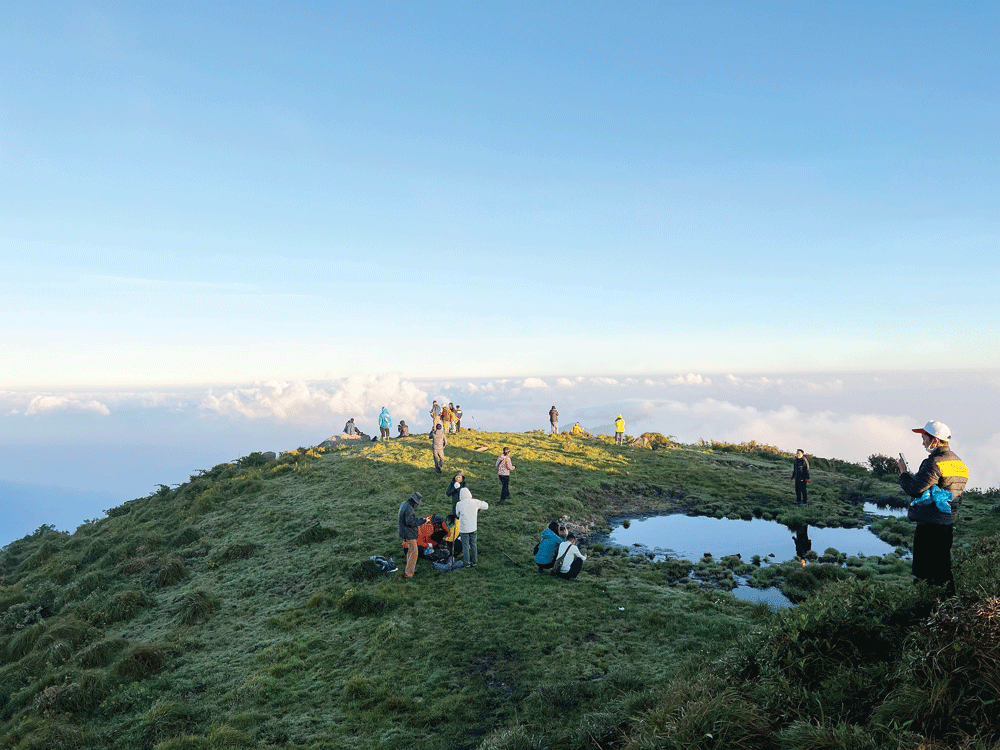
[937,491]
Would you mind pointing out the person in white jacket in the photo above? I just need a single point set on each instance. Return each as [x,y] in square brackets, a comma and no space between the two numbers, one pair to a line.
[468,515]
[572,559]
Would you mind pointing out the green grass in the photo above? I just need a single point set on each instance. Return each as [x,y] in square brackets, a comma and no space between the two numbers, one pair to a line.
[236,610]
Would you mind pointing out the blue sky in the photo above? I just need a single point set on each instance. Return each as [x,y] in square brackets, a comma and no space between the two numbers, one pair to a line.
[267,206]
[203,193]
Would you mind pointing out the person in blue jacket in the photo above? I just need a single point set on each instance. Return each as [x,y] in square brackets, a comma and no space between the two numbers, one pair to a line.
[545,553]
[384,424]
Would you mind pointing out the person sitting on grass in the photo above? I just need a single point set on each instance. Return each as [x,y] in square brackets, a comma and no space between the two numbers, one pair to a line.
[545,551]
[570,557]
[576,430]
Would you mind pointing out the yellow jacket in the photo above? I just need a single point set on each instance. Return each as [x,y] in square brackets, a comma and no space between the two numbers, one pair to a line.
[619,425]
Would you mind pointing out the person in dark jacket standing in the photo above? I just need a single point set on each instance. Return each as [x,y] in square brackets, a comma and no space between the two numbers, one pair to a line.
[409,530]
[454,487]
[438,441]
[800,474]
[937,491]
[554,420]
[458,419]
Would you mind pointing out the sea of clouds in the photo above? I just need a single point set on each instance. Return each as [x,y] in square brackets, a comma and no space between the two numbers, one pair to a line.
[72,455]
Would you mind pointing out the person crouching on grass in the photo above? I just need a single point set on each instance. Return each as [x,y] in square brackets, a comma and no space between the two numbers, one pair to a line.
[569,559]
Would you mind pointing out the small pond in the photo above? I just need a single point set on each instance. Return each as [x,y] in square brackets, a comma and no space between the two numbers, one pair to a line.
[690,537]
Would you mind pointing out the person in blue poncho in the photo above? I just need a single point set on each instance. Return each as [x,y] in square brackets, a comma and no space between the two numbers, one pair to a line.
[545,553]
[384,424]
[936,490]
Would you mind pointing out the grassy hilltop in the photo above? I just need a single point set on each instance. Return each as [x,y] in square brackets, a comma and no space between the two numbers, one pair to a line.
[236,611]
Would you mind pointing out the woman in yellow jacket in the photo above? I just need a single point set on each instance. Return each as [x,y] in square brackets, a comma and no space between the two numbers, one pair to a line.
[619,431]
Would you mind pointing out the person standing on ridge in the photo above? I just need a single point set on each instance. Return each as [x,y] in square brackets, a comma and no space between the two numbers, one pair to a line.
[384,424]
[435,414]
[937,491]
[619,431]
[800,473]
[458,419]
[468,524]
[409,530]
[554,420]
[504,468]
[438,441]
[454,418]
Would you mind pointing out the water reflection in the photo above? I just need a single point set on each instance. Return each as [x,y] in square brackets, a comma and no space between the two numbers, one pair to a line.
[884,510]
[691,537]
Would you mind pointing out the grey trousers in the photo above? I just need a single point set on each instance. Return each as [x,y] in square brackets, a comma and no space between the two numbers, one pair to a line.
[471,550]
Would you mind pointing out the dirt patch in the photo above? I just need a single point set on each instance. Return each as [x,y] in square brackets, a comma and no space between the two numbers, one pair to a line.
[629,498]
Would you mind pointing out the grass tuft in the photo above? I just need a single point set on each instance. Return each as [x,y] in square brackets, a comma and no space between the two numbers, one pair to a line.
[173,570]
[195,607]
[142,661]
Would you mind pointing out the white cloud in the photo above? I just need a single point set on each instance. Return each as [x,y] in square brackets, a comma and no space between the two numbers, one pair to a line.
[690,379]
[604,381]
[565,383]
[534,383]
[834,385]
[44,404]
[359,396]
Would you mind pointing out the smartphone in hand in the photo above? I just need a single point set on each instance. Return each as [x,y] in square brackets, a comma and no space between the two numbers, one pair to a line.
[905,462]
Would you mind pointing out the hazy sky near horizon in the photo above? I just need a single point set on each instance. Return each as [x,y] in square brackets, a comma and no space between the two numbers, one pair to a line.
[218,193]
[70,456]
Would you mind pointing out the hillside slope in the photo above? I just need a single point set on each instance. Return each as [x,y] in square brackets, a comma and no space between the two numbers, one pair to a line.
[236,611]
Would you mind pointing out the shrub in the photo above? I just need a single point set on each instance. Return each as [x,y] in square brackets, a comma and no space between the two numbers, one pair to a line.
[20,616]
[883,466]
[953,669]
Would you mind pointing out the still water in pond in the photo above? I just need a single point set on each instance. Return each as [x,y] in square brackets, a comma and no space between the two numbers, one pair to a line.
[884,510]
[690,537]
